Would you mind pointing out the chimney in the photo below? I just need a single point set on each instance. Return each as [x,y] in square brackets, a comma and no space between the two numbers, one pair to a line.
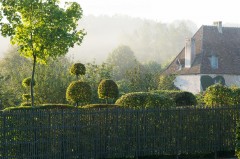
[189,52]
[218,24]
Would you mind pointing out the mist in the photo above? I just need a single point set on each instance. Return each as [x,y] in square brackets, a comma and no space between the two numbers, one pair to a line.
[149,40]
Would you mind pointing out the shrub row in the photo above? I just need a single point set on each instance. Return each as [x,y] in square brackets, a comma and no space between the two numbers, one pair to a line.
[181,98]
[145,100]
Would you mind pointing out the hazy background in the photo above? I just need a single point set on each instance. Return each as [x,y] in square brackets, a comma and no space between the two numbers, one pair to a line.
[155,30]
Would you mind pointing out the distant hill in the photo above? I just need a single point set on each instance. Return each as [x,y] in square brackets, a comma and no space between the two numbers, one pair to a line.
[148,39]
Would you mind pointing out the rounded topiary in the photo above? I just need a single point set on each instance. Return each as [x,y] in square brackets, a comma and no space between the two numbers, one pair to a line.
[108,89]
[27,82]
[181,98]
[145,100]
[78,69]
[79,92]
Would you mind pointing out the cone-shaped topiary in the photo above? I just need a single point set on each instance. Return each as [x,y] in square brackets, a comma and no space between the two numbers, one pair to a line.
[79,92]
[78,69]
[27,82]
[107,89]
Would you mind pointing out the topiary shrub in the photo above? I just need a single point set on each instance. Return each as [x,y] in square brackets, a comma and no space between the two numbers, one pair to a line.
[100,106]
[79,92]
[217,95]
[145,100]
[26,97]
[27,82]
[78,69]
[108,89]
[181,98]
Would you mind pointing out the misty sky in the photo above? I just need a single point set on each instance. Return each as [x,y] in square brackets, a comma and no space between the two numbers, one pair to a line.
[199,11]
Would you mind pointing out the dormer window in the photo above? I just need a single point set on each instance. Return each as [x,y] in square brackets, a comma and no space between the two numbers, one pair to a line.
[214,62]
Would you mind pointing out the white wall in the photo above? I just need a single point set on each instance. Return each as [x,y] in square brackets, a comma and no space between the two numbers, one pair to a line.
[190,83]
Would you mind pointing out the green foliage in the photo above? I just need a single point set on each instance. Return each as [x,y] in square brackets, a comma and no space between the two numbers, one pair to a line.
[25,104]
[41,29]
[122,59]
[100,106]
[41,106]
[26,97]
[217,95]
[79,92]
[27,82]
[235,95]
[78,69]
[237,148]
[166,82]
[94,75]
[145,100]
[108,89]
[200,99]
[181,98]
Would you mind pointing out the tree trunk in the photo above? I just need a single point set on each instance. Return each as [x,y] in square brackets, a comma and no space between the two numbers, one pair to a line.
[32,80]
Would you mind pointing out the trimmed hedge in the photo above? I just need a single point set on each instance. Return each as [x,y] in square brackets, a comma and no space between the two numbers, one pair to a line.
[181,98]
[145,100]
[100,106]
[42,106]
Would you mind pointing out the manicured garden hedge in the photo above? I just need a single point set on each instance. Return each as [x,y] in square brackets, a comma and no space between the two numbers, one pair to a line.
[100,106]
[181,98]
[145,100]
[42,106]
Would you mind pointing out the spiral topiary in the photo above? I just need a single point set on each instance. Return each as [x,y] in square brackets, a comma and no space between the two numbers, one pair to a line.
[107,89]
[79,92]
[27,82]
[78,69]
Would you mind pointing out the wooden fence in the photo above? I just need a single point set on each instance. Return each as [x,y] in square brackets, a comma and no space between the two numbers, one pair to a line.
[115,133]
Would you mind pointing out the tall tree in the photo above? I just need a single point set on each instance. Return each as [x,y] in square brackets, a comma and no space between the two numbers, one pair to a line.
[122,59]
[41,28]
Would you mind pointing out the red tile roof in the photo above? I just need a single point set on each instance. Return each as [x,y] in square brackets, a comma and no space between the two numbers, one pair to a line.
[209,41]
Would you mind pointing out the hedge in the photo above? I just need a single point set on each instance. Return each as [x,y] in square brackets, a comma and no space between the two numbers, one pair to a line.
[145,100]
[100,106]
[42,106]
[181,98]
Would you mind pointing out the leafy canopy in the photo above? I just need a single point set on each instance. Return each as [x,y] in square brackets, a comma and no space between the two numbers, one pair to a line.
[41,28]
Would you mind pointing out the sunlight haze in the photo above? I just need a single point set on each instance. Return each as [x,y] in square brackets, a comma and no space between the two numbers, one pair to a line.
[202,12]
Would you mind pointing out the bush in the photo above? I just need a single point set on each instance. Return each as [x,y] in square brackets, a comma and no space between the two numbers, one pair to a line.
[108,89]
[181,98]
[79,92]
[235,96]
[27,82]
[78,69]
[145,100]
[101,106]
[42,106]
[217,95]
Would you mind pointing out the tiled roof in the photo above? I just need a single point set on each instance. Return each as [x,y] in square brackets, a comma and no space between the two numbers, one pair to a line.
[209,41]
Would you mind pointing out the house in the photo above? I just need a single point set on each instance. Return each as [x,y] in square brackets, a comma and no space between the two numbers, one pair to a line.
[212,55]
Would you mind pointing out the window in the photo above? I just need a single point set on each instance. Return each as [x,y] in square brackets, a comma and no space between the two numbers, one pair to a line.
[214,62]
